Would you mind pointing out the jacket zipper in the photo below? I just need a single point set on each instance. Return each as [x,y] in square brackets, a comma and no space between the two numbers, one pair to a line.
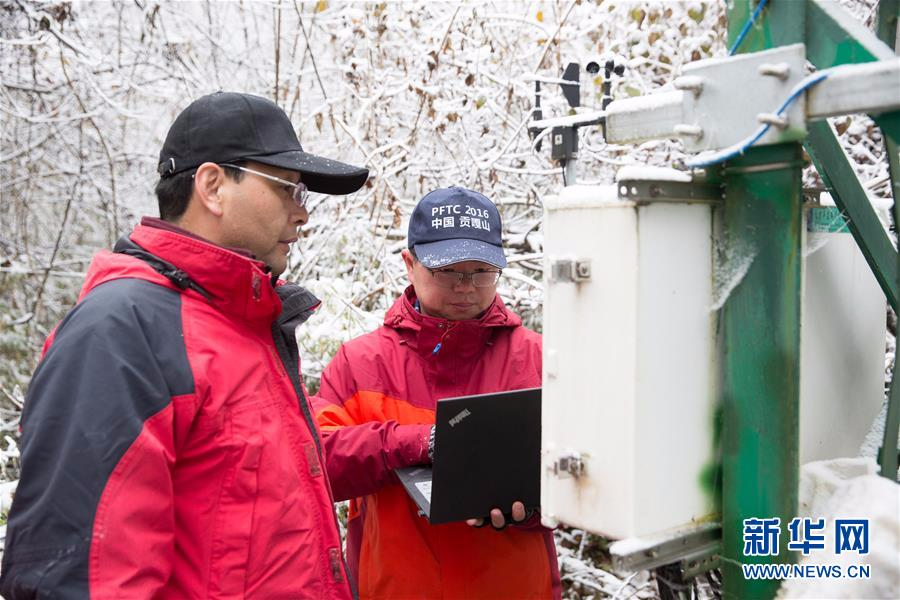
[440,343]
[294,375]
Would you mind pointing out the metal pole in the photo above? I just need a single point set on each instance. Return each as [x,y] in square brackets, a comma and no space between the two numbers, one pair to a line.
[761,384]
[761,328]
[570,170]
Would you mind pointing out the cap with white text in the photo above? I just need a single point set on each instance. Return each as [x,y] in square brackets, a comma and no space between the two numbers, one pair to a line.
[453,225]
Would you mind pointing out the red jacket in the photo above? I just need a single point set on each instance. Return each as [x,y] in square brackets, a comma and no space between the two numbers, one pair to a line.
[376,407]
[168,450]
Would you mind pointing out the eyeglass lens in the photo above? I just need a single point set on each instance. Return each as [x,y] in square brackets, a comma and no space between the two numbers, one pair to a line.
[481,279]
[301,194]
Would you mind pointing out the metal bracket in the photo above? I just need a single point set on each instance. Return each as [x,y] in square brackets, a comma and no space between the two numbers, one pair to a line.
[711,108]
[840,93]
[725,111]
[705,559]
[568,269]
[696,548]
[645,191]
[568,466]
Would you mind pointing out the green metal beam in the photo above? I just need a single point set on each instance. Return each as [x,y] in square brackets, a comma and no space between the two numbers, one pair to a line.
[781,23]
[886,21]
[892,149]
[886,30]
[889,124]
[834,37]
[828,157]
[887,454]
[761,326]
[761,384]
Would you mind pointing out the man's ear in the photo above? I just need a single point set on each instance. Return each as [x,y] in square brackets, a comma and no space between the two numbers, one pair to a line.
[409,261]
[208,181]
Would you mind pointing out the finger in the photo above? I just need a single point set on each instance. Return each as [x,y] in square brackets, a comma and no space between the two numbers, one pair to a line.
[518,511]
[475,522]
[497,519]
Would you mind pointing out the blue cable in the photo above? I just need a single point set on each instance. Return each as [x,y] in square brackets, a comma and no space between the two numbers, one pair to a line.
[811,81]
[747,26]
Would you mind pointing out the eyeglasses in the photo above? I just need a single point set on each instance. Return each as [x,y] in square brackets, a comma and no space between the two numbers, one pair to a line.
[451,279]
[299,193]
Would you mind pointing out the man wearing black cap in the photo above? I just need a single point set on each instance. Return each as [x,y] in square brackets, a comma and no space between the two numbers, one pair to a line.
[449,334]
[168,447]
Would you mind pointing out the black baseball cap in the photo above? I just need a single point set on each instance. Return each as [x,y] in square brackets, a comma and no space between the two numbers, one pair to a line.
[228,126]
[453,225]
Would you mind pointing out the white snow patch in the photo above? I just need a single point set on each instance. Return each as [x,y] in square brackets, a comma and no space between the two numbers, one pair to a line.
[584,196]
[875,438]
[645,103]
[849,489]
[731,268]
[816,241]
[647,172]
[7,489]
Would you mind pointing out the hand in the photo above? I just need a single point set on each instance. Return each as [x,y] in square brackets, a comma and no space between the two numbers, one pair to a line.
[498,521]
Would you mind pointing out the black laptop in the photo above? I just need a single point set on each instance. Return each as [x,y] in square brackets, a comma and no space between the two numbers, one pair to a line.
[487,454]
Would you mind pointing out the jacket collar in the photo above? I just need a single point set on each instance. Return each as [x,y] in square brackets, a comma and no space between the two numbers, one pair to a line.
[458,338]
[168,226]
[236,285]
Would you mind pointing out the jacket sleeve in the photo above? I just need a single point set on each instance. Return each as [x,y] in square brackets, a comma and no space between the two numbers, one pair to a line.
[93,513]
[361,451]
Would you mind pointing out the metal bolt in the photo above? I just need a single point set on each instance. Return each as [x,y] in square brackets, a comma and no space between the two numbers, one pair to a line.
[685,130]
[689,83]
[772,119]
[583,269]
[779,70]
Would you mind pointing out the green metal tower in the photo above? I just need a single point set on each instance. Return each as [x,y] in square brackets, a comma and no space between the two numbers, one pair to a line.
[761,318]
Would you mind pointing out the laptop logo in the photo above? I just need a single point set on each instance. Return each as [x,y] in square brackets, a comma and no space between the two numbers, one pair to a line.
[462,415]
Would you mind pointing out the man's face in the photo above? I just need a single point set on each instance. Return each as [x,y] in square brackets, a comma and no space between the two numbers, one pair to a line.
[462,301]
[260,215]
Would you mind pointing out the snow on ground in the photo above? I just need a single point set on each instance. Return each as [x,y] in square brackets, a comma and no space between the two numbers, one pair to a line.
[850,489]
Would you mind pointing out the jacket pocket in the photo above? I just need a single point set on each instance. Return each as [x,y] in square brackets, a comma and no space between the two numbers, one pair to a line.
[233,523]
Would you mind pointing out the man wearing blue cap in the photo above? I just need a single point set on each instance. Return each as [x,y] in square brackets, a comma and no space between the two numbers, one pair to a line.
[449,334]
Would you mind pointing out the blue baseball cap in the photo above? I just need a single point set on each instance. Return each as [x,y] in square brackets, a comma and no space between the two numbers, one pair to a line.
[452,225]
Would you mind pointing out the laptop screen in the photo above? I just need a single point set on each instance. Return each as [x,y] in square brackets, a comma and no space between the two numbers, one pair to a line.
[487,454]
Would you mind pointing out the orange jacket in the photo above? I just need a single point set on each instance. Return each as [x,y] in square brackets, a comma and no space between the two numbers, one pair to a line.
[375,409]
